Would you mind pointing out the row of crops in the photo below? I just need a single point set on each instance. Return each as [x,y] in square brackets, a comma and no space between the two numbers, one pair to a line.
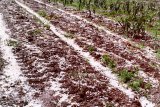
[134,17]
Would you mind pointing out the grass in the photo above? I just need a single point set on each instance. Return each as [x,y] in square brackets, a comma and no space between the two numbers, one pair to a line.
[136,84]
[140,45]
[155,30]
[108,61]
[2,62]
[125,76]
[109,105]
[12,43]
[69,35]
[158,53]
[133,81]
[91,49]
[42,13]
[35,32]
[47,26]
[148,85]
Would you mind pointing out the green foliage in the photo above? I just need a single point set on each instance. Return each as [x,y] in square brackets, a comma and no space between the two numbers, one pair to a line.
[47,27]
[109,105]
[108,61]
[155,30]
[12,43]
[69,35]
[158,53]
[35,32]
[91,49]
[42,13]
[135,17]
[140,45]
[136,84]
[125,75]
[148,85]
[2,62]
[133,80]
[159,14]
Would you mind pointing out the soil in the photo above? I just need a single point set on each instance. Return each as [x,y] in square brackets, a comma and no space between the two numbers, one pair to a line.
[59,75]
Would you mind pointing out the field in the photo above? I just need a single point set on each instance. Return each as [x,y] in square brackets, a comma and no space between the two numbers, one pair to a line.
[59,53]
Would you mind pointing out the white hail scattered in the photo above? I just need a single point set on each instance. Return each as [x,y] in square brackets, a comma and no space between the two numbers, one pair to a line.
[12,70]
[106,71]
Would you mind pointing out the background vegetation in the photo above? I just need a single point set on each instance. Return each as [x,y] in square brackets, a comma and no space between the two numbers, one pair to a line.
[135,17]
